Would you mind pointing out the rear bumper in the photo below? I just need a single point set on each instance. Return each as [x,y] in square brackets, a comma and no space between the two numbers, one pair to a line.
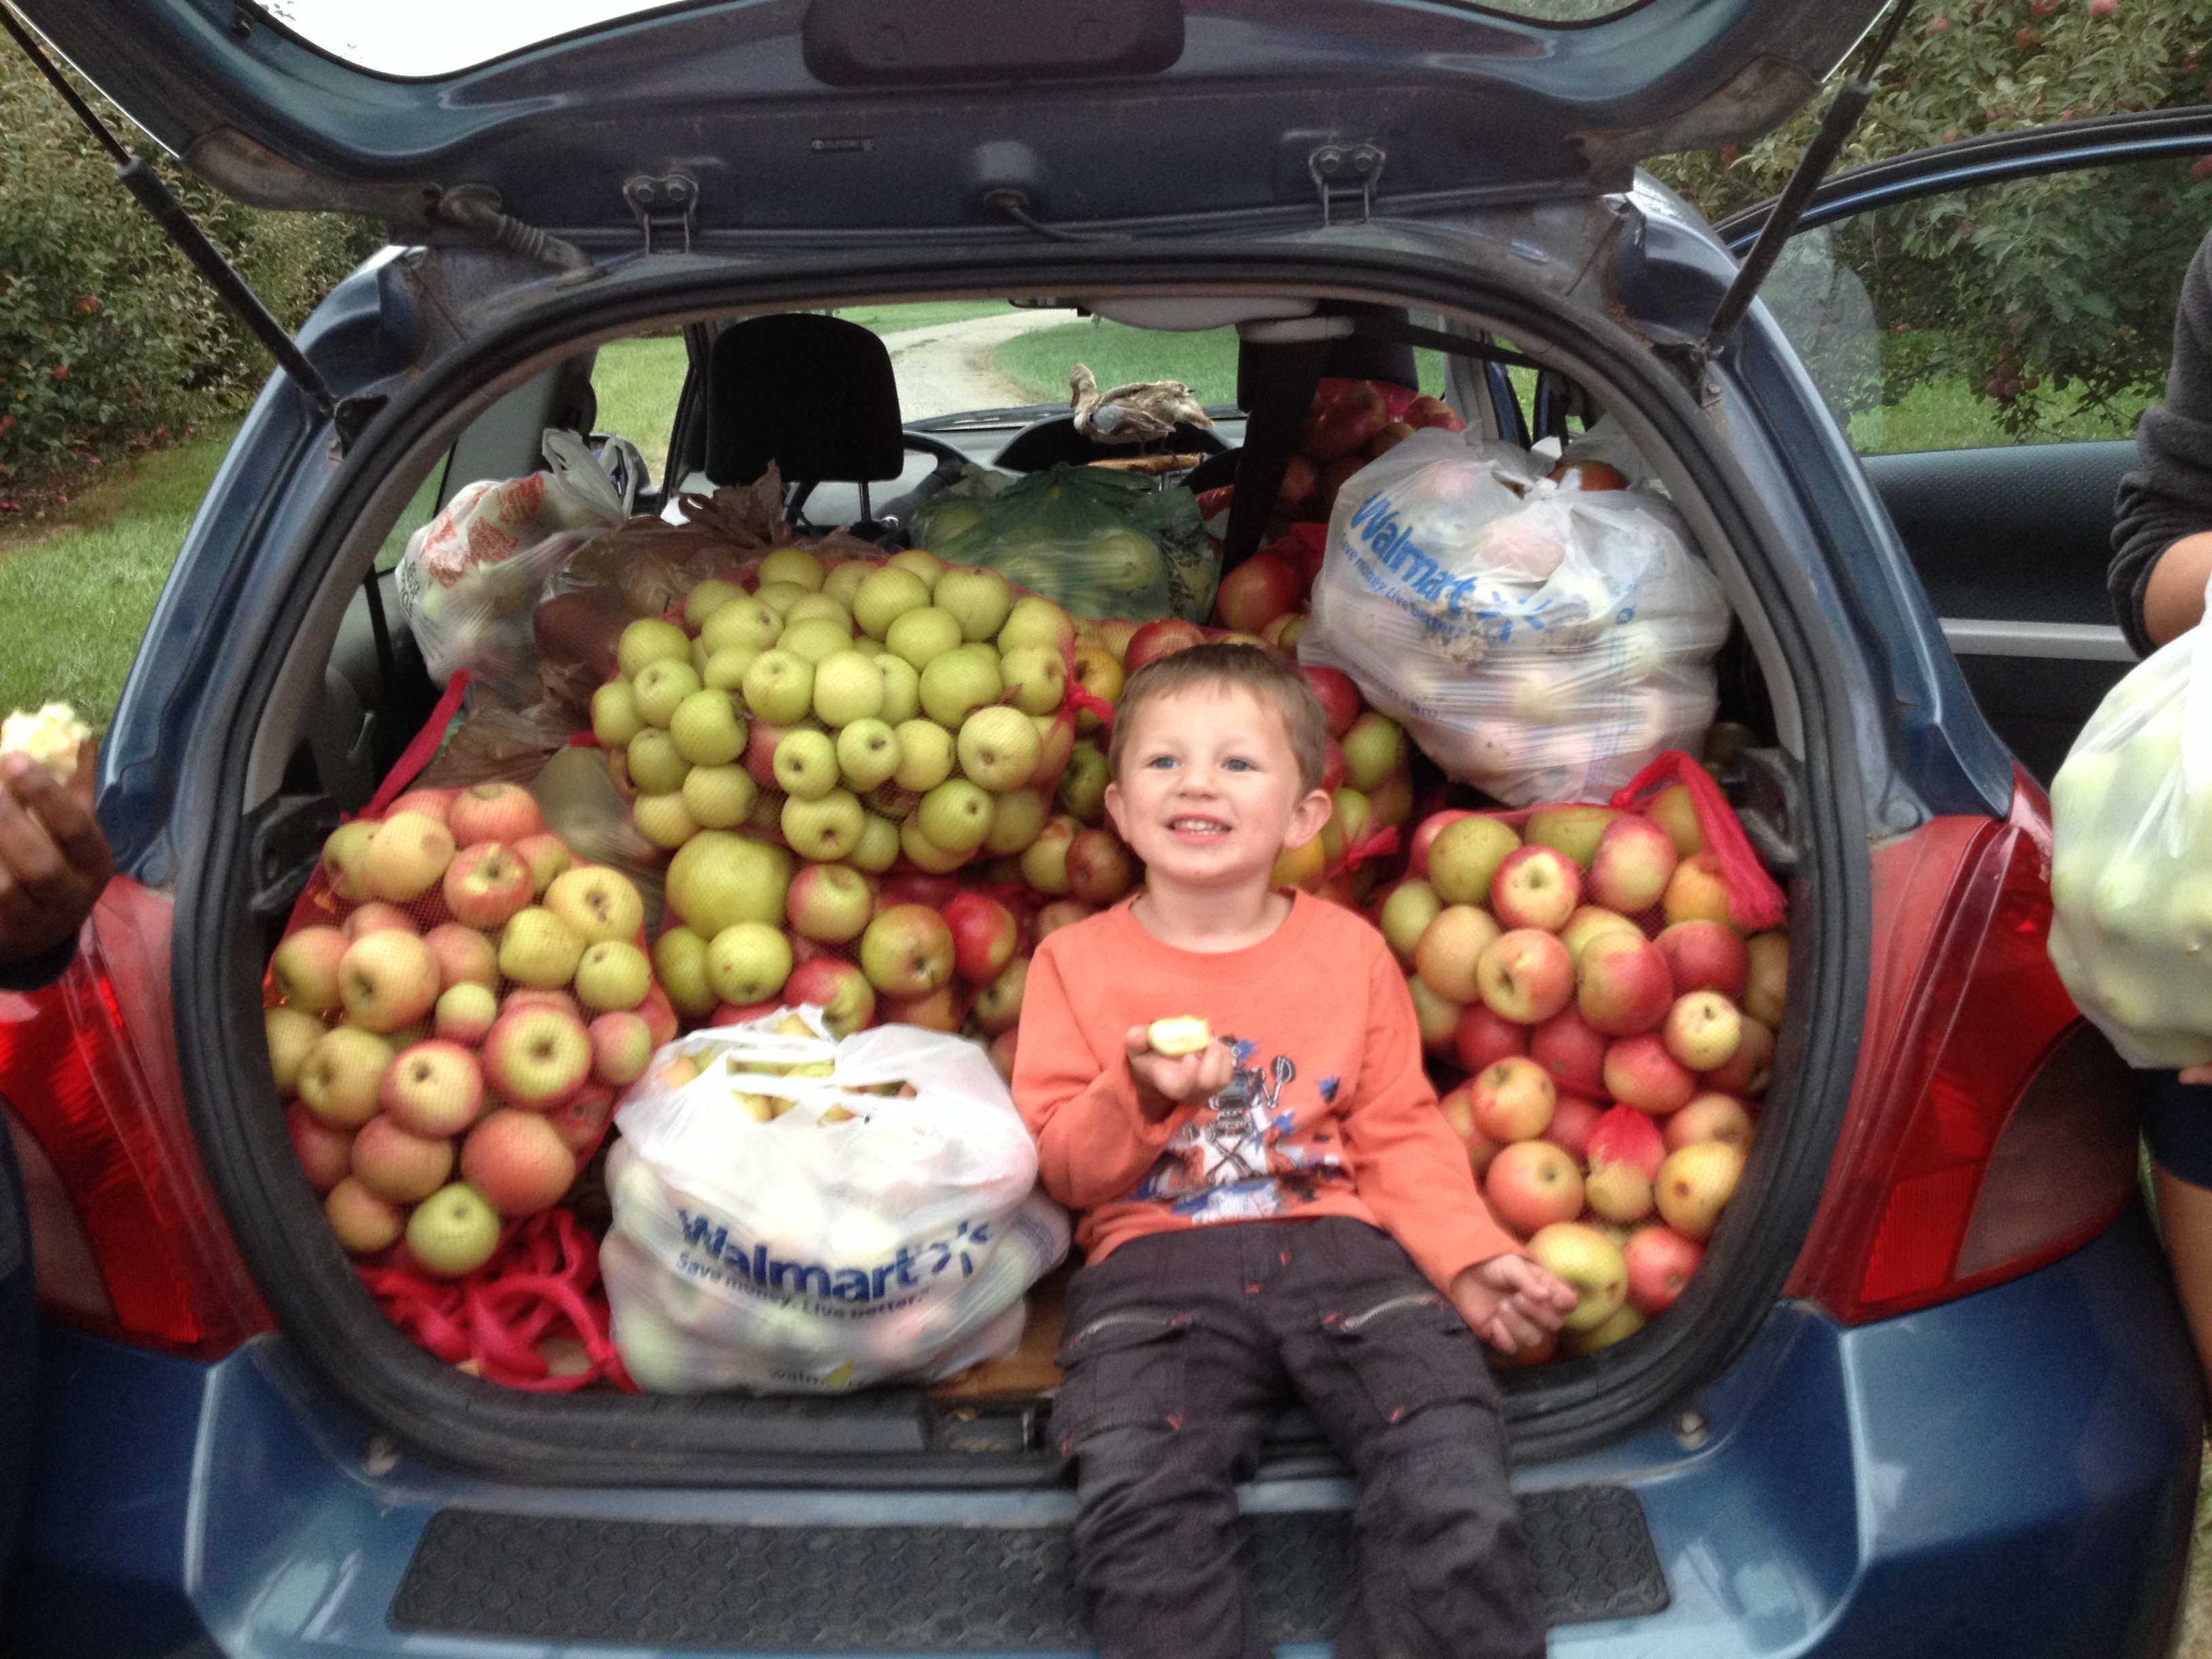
[2014,1472]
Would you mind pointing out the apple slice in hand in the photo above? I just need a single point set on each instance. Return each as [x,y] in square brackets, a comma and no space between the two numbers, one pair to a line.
[1183,1035]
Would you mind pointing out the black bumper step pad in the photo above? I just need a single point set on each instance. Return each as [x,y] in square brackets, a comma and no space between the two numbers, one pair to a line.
[933,1588]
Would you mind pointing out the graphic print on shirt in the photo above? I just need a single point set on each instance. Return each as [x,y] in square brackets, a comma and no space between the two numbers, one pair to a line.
[1238,1160]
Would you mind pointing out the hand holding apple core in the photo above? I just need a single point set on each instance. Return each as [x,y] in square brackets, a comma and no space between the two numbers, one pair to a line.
[1167,1081]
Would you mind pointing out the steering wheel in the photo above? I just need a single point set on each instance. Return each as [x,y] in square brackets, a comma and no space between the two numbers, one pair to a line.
[951,463]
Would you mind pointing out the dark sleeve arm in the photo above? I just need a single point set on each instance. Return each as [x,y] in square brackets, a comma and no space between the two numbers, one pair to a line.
[35,973]
[2170,497]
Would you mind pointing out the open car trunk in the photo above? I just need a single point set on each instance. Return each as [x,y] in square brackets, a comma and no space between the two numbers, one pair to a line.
[448,335]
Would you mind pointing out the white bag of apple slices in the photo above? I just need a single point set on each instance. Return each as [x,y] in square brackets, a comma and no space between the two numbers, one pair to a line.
[2131,860]
[786,1221]
[1540,641]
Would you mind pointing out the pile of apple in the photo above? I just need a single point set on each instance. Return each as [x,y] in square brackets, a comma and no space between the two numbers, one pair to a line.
[1616,1025]
[475,1003]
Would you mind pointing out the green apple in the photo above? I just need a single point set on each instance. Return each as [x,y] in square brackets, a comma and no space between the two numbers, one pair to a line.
[1037,676]
[878,847]
[612,973]
[924,635]
[659,686]
[745,622]
[815,638]
[657,766]
[818,607]
[597,901]
[1466,855]
[997,747]
[925,754]
[902,688]
[980,598]
[615,719]
[825,830]
[847,687]
[707,728]
[679,963]
[844,579]
[704,601]
[667,820]
[779,687]
[925,854]
[1044,860]
[719,797]
[955,685]
[720,877]
[780,597]
[649,641]
[1083,785]
[1374,748]
[748,962]
[291,1033]
[955,816]
[1015,820]
[536,948]
[454,1232]
[806,764]
[1034,621]
[867,753]
[699,655]
[884,596]
[725,668]
[793,564]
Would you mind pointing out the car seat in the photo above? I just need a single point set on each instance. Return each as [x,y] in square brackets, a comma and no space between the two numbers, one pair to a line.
[814,394]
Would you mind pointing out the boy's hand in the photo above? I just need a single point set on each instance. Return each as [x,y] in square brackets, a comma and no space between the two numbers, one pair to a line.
[2196,1074]
[1166,1081]
[1511,1301]
[53,860]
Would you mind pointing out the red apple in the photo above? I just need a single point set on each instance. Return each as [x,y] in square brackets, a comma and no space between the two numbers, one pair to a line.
[1100,869]
[1424,837]
[407,856]
[486,883]
[935,1010]
[740,1013]
[537,1056]
[494,811]
[1631,868]
[399,1167]
[1697,891]
[1459,1112]
[1163,638]
[1526,975]
[305,969]
[983,936]
[1255,593]
[1587,923]
[519,1161]
[465,956]
[430,802]
[621,1043]
[433,1089]
[999,1005]
[659,1016]
[1767,983]
[1746,1073]
[325,1152]
[378,917]
[1572,1050]
[1711,1117]
[1572,1119]
[1695,1184]
[1436,1017]
[1705,956]
[1640,1072]
[541,996]
[1532,1184]
[838,988]
[581,1120]
[913,887]
[1338,697]
[364,1223]
[1512,1099]
[547,856]
[1061,913]
[1702,1029]
[387,980]
[1535,887]
[1484,1037]
[1626,987]
[1659,1263]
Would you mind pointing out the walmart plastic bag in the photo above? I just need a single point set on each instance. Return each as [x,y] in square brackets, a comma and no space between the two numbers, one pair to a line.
[2131,860]
[1097,542]
[1540,643]
[472,577]
[819,1252]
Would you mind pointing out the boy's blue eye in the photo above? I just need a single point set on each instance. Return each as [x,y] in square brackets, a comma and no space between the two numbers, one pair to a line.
[1237,765]
[1161,761]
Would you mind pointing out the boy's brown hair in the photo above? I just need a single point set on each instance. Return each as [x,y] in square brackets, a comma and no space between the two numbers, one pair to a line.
[1246,667]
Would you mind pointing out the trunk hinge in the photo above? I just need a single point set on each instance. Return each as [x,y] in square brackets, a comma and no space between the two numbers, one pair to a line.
[1691,357]
[665,206]
[476,210]
[1340,170]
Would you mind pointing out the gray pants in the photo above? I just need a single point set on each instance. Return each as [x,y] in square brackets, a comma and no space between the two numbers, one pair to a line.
[1183,1347]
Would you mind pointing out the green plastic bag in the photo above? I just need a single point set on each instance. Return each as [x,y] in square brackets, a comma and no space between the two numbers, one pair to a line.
[1097,542]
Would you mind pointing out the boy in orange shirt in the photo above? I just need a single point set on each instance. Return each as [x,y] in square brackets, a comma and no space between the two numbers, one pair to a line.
[1362,1252]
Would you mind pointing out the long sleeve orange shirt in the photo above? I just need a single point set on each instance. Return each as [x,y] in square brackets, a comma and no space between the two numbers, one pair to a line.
[1330,1113]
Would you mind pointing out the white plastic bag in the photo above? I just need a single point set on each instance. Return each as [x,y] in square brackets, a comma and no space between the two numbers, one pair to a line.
[1540,643]
[2131,860]
[806,1255]
[472,576]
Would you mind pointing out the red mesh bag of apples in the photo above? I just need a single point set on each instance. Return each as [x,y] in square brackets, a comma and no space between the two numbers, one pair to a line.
[1608,977]
[451,1012]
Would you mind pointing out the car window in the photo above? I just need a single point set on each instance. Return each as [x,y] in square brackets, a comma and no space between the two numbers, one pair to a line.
[2038,310]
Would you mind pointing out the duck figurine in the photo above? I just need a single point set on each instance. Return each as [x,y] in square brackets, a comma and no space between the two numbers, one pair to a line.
[1141,412]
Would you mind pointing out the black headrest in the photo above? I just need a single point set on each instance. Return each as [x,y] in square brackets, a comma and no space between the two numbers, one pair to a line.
[813,394]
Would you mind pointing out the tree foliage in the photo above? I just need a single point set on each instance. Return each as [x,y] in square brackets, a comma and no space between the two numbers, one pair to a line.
[2043,295]
[108,338]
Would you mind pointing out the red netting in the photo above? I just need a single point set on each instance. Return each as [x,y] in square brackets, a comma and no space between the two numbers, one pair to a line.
[1755,903]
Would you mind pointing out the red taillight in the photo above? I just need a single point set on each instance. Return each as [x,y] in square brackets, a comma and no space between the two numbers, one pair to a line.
[1990,1130]
[88,1068]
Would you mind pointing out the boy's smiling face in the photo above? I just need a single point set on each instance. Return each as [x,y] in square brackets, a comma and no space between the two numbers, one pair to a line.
[1209,793]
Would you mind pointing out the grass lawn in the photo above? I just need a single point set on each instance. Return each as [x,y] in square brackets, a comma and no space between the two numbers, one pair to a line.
[75,592]
[1946,414]
[1204,361]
